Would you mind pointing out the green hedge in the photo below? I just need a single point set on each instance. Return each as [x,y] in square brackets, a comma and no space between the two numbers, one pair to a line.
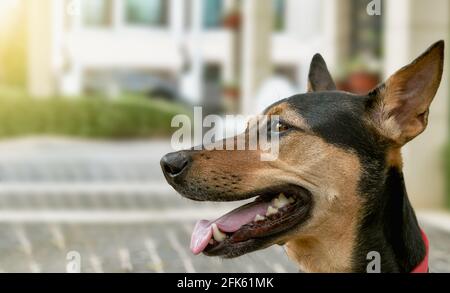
[95,117]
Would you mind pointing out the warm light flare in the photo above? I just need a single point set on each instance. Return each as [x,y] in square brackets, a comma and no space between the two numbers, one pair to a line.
[7,5]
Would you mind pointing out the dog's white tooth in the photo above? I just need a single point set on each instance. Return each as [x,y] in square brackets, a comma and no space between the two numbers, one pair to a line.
[276,202]
[271,210]
[259,218]
[280,201]
[211,241]
[282,197]
[284,200]
[218,235]
[291,200]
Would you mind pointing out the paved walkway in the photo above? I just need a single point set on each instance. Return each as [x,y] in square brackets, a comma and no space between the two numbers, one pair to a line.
[109,202]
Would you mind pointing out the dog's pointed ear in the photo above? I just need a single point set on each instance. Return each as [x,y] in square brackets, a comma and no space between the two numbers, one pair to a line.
[399,108]
[319,78]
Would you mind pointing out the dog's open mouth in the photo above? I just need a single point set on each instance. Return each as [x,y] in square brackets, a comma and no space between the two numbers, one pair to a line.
[267,217]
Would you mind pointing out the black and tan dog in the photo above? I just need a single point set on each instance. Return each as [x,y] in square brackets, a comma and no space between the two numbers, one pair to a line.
[336,191]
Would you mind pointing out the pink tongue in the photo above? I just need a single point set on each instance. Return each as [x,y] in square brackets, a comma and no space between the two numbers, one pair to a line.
[230,222]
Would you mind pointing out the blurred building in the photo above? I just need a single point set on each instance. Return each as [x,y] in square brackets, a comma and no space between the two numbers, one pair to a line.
[195,47]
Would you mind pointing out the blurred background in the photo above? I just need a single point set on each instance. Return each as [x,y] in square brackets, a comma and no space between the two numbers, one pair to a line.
[88,89]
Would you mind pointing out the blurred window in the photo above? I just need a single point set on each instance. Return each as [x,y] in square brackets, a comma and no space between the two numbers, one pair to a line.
[97,13]
[187,14]
[147,12]
[212,87]
[212,72]
[366,31]
[279,10]
[212,13]
[287,71]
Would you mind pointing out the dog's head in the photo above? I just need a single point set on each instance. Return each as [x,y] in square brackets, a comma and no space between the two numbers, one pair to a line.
[334,151]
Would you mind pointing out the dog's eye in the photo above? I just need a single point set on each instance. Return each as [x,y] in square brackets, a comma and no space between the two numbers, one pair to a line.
[280,127]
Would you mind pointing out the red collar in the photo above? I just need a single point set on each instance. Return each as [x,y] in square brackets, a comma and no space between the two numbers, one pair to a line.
[422,267]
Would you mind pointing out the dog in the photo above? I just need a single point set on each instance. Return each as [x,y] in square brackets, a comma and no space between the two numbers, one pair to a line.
[336,192]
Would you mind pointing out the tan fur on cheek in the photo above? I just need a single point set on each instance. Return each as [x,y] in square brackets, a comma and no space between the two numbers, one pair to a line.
[329,252]
[325,243]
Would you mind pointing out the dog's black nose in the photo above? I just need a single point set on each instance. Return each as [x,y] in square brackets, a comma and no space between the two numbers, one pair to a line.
[174,163]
